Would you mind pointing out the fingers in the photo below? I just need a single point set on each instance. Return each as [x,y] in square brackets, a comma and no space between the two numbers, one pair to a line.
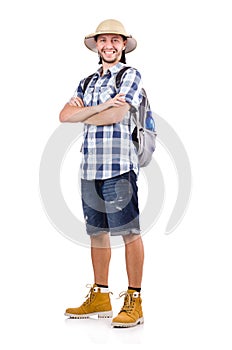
[119,100]
[120,97]
[76,102]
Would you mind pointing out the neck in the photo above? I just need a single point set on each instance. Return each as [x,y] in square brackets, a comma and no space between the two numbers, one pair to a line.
[106,66]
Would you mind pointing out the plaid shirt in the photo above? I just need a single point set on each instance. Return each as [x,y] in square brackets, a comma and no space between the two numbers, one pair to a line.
[109,151]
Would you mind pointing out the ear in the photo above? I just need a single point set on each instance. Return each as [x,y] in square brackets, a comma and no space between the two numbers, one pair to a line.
[124,42]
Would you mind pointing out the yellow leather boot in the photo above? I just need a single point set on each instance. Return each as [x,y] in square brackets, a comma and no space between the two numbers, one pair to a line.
[97,303]
[131,313]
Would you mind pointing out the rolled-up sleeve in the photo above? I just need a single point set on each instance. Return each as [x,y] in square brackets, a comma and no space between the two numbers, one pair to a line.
[79,90]
[131,85]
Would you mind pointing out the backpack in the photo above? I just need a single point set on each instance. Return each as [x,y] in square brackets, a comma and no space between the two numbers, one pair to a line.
[144,133]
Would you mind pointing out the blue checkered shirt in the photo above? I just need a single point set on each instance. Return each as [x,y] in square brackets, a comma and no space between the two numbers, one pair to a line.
[109,151]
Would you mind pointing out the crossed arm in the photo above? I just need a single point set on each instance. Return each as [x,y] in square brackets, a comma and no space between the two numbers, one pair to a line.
[107,113]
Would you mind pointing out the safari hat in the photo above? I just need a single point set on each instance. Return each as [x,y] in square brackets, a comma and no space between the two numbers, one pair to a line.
[110,26]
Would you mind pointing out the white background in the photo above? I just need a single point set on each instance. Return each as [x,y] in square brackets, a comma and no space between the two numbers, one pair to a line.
[184,55]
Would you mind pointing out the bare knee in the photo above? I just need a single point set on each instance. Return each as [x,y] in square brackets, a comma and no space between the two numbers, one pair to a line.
[100,240]
[131,238]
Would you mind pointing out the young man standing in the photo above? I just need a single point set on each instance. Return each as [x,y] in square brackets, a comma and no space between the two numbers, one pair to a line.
[109,171]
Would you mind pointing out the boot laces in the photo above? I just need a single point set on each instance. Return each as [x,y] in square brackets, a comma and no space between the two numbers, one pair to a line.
[90,294]
[129,302]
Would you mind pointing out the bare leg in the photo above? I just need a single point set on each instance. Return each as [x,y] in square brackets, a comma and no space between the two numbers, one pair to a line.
[100,254]
[134,253]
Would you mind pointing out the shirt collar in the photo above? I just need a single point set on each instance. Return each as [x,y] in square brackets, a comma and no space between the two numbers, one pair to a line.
[112,70]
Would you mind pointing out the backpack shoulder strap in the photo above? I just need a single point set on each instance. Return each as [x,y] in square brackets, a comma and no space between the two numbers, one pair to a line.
[86,82]
[117,82]
[119,76]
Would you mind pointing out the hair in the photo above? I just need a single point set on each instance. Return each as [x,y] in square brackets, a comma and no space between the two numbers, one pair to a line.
[123,56]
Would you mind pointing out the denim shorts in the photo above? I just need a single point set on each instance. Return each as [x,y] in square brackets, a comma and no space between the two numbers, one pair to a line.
[111,205]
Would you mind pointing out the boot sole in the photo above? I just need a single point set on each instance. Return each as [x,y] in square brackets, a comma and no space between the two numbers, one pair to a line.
[103,314]
[127,325]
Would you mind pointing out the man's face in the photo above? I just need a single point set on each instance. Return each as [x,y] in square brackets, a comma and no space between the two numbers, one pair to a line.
[110,47]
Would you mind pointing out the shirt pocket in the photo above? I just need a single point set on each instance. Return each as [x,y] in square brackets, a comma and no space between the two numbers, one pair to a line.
[89,97]
[106,93]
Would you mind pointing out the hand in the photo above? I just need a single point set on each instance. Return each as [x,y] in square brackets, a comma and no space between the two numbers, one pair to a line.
[117,101]
[76,102]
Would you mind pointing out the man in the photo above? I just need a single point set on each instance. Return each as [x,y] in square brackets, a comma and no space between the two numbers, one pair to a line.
[109,171]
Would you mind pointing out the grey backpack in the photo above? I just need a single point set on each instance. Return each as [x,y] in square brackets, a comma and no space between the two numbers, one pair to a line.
[144,133]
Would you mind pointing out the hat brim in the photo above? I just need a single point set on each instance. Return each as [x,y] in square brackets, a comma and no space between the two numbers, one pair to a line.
[90,42]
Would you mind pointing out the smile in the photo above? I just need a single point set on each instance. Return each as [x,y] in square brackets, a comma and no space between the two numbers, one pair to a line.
[109,52]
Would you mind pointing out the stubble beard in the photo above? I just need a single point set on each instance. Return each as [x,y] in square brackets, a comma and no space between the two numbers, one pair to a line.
[113,60]
[109,61]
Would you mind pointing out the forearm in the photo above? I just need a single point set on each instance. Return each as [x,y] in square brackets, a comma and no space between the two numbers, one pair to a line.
[75,111]
[110,116]
[75,114]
